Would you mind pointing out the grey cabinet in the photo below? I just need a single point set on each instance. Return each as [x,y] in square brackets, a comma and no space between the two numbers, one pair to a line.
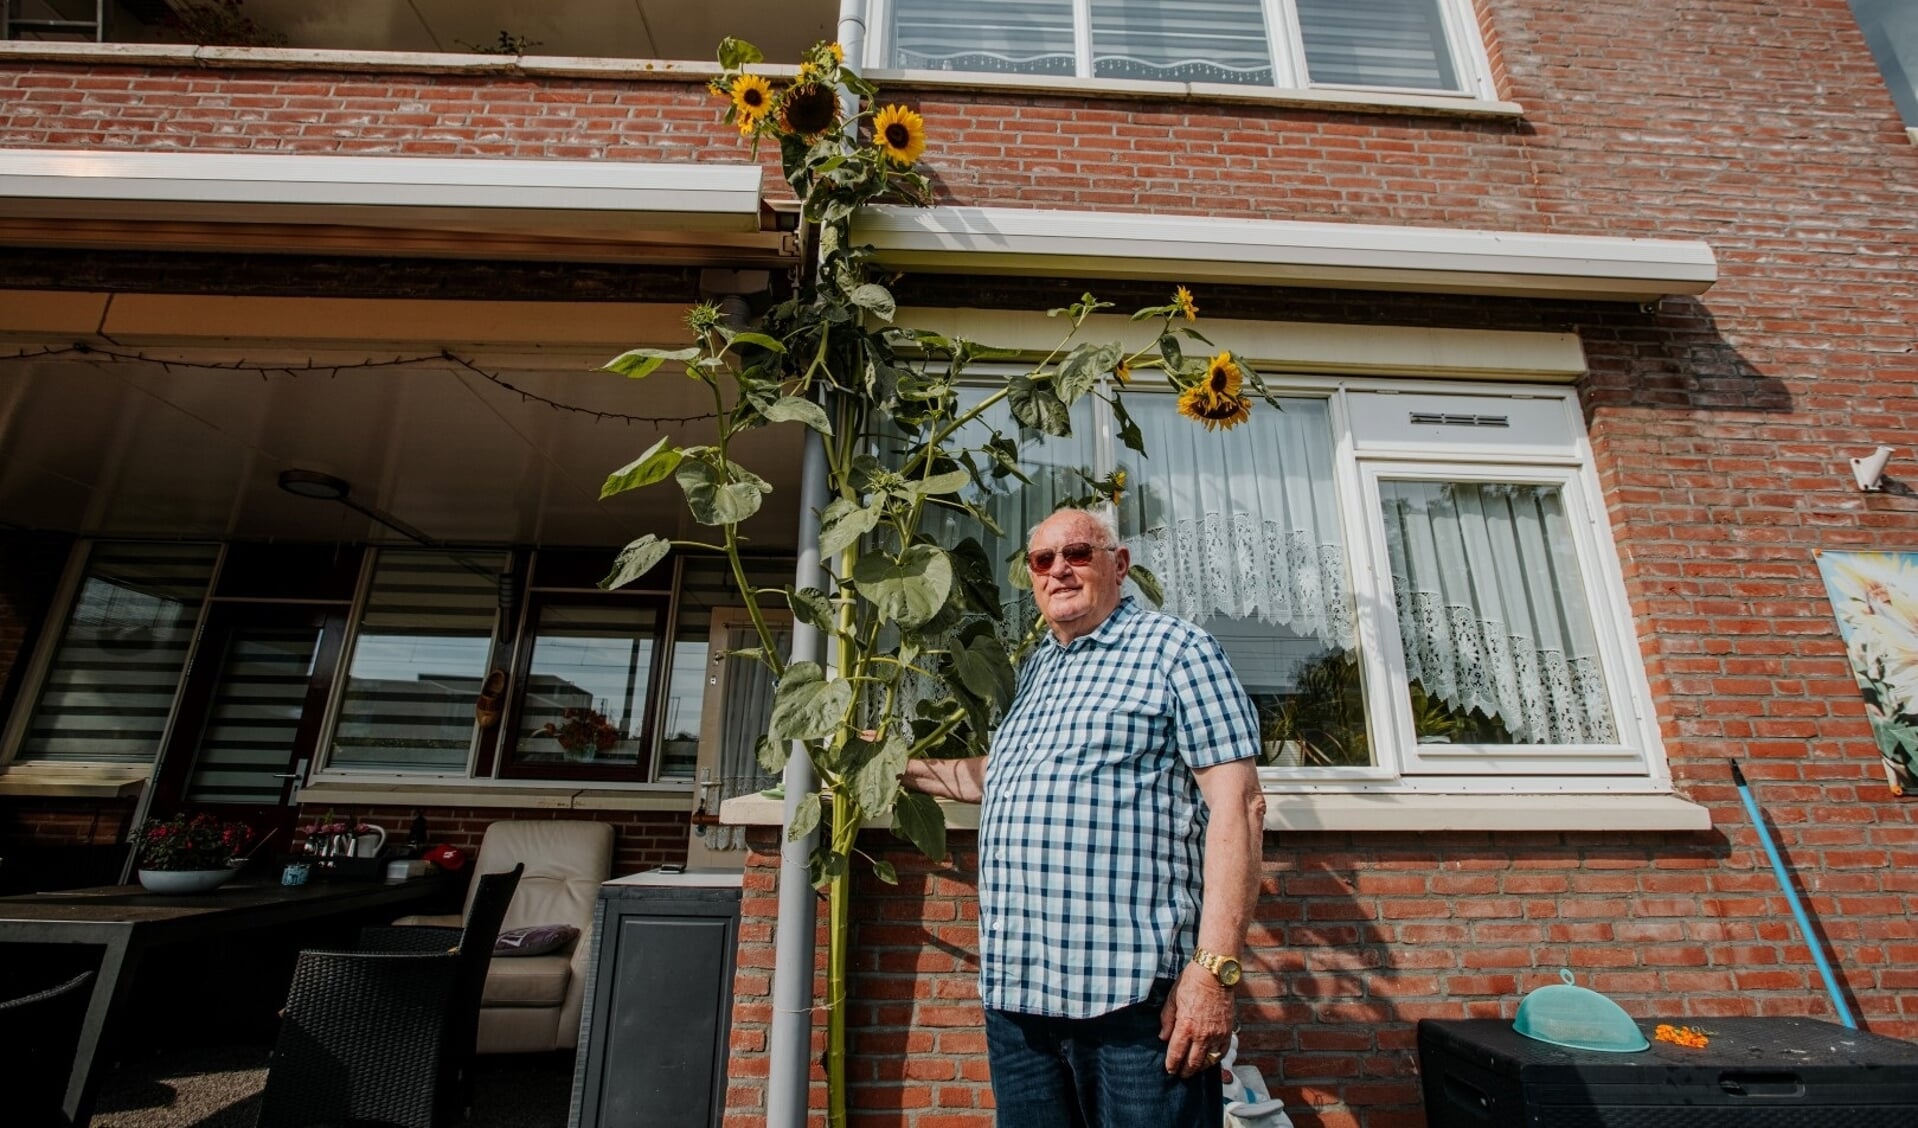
[658,1012]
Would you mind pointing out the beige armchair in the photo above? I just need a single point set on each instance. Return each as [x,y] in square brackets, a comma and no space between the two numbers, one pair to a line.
[532,1003]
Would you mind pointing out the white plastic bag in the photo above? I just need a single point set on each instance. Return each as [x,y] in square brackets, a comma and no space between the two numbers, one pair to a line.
[1248,1103]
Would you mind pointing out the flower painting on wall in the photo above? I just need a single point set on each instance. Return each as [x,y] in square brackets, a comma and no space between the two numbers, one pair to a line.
[1875,595]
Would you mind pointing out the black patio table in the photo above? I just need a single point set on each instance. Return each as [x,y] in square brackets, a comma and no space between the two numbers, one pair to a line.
[125,922]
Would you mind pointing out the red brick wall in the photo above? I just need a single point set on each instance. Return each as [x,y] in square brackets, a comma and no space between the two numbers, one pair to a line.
[641,839]
[1720,427]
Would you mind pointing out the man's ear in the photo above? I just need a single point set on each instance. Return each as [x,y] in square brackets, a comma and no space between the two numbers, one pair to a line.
[1123,559]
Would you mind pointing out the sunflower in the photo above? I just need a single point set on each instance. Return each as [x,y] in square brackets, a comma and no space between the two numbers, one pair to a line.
[753,98]
[1122,372]
[809,109]
[900,134]
[1222,377]
[838,52]
[1218,413]
[1182,302]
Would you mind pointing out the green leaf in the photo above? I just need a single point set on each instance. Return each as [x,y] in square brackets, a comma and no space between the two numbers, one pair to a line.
[788,409]
[772,755]
[811,607]
[826,864]
[1149,585]
[1170,350]
[918,819]
[973,569]
[908,591]
[842,524]
[806,706]
[876,783]
[1082,369]
[1037,408]
[760,339]
[950,482]
[1129,432]
[805,817]
[653,466]
[985,670]
[714,502]
[885,871]
[635,560]
[635,363]
[736,53]
[874,299]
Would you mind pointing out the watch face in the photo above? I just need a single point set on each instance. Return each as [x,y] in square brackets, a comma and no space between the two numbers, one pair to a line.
[1229,971]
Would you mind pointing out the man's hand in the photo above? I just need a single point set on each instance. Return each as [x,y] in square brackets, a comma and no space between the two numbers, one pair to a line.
[1196,1023]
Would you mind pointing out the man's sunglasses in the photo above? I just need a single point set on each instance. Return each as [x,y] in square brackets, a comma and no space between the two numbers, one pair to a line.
[1078,555]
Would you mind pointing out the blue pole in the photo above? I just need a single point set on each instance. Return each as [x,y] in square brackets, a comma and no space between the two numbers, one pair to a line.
[1791,897]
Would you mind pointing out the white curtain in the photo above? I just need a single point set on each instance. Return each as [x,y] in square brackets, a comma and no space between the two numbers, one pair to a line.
[1491,609]
[1194,41]
[1242,523]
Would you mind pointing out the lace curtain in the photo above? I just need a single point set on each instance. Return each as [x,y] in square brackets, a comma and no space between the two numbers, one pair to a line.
[1491,608]
[1243,524]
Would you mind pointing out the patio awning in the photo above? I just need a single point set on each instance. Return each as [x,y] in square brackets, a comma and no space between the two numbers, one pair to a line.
[1175,248]
[704,212]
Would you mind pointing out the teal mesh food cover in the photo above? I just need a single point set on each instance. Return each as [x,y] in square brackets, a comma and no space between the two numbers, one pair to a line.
[1569,1015]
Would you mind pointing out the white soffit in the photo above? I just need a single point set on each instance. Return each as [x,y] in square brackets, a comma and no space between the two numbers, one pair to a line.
[563,200]
[1019,241]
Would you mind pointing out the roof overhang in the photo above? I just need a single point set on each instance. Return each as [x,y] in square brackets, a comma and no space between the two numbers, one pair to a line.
[451,207]
[1019,241]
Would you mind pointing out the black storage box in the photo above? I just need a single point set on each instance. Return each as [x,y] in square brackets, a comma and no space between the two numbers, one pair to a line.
[1756,1073]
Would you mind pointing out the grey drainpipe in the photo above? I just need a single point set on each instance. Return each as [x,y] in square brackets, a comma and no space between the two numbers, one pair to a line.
[789,1072]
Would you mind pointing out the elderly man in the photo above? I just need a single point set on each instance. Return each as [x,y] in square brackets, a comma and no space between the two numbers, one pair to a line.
[1121,785]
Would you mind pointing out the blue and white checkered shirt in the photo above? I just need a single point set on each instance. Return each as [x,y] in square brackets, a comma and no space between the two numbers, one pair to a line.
[1092,827]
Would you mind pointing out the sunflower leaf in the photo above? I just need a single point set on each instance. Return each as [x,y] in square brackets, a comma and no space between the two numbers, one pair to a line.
[983,667]
[716,502]
[917,818]
[1149,585]
[876,783]
[885,871]
[842,524]
[811,607]
[948,483]
[759,339]
[787,409]
[806,706]
[1129,432]
[908,591]
[1082,369]
[635,364]
[1195,334]
[805,817]
[874,299]
[635,560]
[653,466]
[736,53]
[1038,408]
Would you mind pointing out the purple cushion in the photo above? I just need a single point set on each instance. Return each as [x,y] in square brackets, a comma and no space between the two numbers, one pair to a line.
[534,939]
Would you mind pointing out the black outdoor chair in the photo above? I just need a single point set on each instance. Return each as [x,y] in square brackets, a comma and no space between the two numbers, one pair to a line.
[384,1035]
[43,1028]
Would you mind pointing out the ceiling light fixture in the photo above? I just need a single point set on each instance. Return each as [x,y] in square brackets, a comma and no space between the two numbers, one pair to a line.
[325,487]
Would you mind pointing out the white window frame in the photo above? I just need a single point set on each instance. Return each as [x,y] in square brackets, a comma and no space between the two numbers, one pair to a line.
[1285,45]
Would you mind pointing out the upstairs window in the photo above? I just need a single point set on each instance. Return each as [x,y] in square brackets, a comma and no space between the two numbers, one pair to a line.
[1381,44]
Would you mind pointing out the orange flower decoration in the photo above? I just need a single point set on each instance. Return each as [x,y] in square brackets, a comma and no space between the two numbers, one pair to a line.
[1681,1036]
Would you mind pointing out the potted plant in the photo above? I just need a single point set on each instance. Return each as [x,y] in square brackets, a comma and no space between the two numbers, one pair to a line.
[189,855]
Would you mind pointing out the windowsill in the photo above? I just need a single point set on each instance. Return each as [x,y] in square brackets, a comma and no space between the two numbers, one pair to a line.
[631,70]
[72,781]
[487,794]
[1389,812]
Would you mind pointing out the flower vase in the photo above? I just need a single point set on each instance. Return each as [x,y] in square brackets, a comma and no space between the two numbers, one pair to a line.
[186,881]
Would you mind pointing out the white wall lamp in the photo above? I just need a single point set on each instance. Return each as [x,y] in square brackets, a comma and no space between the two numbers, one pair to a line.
[1870,470]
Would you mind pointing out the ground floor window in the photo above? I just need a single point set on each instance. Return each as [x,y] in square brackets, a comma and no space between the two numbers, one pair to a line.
[1410,586]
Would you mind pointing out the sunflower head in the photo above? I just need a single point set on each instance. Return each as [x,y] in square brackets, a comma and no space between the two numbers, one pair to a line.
[838,52]
[1218,413]
[899,134]
[809,109]
[1122,372]
[1183,303]
[1222,376]
[753,99]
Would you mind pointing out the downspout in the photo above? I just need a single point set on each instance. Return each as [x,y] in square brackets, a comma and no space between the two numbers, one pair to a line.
[789,1068]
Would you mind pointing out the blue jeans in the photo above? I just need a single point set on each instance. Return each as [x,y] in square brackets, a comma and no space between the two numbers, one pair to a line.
[1104,1072]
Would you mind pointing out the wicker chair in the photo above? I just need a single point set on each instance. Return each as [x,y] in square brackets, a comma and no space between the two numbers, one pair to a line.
[42,1028]
[386,1036]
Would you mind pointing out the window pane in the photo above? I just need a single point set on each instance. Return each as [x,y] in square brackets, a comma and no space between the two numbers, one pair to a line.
[1023,36]
[113,679]
[1242,530]
[705,584]
[1201,41]
[586,685]
[1377,43]
[418,662]
[255,715]
[1499,641]
[1891,31]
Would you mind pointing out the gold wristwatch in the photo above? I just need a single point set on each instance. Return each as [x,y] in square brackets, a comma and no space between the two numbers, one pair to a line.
[1225,969]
